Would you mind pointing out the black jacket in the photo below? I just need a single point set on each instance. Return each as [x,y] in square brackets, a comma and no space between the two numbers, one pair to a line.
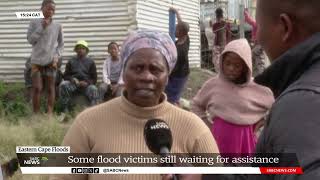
[182,69]
[293,125]
[82,69]
[294,122]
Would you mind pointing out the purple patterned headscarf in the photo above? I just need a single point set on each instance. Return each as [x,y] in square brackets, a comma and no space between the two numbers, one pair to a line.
[150,39]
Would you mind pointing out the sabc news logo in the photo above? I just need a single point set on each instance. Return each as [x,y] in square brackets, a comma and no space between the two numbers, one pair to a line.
[36,160]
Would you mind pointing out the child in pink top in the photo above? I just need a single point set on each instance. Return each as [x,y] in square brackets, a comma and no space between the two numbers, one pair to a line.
[234,102]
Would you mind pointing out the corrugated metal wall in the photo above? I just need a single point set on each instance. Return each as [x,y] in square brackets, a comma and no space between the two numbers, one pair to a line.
[154,14]
[97,21]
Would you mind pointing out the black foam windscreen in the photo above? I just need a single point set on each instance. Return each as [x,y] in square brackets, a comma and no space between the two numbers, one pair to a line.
[10,167]
[157,135]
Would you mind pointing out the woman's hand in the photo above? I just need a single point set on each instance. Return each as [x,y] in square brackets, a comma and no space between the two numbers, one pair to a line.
[83,84]
[55,62]
[173,9]
[246,13]
[114,89]
[46,22]
[259,125]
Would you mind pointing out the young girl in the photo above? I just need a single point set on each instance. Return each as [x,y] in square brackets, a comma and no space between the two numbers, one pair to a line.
[235,103]
[112,68]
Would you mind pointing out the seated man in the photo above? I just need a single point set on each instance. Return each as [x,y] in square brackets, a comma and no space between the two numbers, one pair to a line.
[80,76]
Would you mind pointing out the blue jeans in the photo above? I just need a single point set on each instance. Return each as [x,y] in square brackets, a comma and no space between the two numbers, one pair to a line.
[174,88]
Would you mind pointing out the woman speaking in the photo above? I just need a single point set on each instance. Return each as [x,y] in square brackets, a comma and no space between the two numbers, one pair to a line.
[117,126]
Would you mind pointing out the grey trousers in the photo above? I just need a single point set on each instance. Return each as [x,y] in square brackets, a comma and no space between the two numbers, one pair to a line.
[105,92]
[68,89]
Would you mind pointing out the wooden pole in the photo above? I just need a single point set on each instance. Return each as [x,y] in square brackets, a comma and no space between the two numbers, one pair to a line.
[242,21]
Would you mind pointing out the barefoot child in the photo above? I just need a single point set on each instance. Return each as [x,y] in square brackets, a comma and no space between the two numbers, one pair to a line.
[235,103]
[43,35]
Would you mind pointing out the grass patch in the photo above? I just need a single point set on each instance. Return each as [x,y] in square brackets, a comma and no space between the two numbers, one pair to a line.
[12,136]
[39,130]
[49,133]
[196,79]
[13,104]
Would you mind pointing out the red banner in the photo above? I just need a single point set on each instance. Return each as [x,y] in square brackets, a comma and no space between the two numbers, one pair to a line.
[281,170]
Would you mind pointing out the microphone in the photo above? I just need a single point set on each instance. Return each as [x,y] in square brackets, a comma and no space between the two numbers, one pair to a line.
[9,168]
[158,138]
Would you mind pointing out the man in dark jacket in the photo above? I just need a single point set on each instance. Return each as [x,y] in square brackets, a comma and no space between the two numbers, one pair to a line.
[290,34]
[293,125]
[80,76]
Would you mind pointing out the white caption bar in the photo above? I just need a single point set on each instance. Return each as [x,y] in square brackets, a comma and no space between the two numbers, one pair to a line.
[140,170]
[43,149]
[29,15]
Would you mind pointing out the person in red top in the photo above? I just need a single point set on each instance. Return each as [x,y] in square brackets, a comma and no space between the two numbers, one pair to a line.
[222,36]
[259,63]
[253,24]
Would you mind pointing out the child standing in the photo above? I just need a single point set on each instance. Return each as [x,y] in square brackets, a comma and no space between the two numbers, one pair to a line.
[221,30]
[180,73]
[43,35]
[111,74]
[235,103]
